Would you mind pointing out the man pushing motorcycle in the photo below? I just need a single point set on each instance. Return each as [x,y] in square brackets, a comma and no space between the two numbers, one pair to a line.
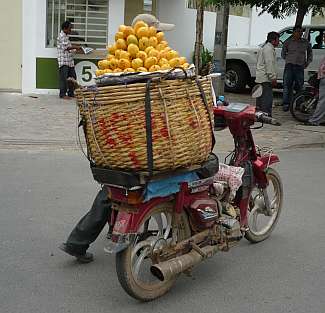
[90,226]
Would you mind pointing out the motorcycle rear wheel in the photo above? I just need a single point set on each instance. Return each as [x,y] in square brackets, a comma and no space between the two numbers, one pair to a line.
[256,210]
[303,106]
[133,264]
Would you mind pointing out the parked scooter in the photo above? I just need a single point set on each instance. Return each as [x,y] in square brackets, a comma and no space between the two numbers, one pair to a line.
[158,239]
[305,102]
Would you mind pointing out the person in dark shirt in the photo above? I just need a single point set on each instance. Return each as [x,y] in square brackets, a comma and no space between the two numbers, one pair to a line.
[298,54]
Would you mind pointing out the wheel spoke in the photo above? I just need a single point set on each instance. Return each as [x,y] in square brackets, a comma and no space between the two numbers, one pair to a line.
[137,265]
[157,217]
[272,204]
[168,227]
[140,245]
[253,218]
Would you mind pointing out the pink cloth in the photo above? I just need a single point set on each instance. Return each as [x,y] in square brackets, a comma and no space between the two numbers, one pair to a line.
[230,174]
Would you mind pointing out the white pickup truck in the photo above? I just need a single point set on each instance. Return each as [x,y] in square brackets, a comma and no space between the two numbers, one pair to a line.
[241,62]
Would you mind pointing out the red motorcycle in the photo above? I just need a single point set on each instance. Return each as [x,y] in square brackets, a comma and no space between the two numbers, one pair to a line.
[158,239]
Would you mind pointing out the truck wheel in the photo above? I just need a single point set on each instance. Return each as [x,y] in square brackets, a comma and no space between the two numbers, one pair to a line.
[236,77]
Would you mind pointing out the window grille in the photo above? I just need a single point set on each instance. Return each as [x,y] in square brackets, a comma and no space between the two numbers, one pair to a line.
[89,19]
[150,6]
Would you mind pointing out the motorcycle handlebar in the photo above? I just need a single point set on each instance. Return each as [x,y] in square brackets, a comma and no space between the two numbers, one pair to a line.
[263,118]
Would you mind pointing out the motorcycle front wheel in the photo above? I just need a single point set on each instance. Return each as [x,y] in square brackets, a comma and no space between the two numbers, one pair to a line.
[259,223]
[133,264]
[303,106]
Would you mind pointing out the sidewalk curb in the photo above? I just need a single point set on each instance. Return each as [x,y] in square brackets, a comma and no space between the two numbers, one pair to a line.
[314,129]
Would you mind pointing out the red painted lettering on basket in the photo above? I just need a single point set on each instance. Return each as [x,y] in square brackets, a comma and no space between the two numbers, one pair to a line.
[134,159]
[109,140]
[122,134]
[164,132]
[193,123]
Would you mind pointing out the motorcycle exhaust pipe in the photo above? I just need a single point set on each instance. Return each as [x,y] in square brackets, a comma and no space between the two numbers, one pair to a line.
[169,269]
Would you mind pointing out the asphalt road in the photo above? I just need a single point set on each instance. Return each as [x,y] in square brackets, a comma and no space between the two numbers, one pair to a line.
[43,194]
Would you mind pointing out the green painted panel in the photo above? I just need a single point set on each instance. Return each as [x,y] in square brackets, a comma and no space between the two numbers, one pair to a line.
[47,72]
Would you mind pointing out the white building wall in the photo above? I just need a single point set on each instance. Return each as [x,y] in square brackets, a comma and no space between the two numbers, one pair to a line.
[182,38]
[116,17]
[262,24]
[34,38]
[238,31]
[29,46]
[10,44]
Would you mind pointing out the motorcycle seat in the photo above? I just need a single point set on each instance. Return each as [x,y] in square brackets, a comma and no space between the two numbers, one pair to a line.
[135,180]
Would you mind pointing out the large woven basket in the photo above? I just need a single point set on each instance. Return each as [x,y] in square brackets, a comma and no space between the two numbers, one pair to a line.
[154,126]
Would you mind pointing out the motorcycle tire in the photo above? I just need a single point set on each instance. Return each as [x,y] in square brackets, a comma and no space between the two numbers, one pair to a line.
[128,262]
[253,234]
[298,105]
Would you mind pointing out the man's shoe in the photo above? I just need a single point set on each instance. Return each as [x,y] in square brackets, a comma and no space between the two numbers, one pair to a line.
[66,98]
[87,257]
[285,108]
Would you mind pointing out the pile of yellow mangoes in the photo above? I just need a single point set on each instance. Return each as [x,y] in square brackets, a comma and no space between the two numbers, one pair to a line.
[140,49]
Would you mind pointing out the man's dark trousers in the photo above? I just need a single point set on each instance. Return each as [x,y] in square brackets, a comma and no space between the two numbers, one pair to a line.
[293,76]
[91,225]
[265,101]
[65,72]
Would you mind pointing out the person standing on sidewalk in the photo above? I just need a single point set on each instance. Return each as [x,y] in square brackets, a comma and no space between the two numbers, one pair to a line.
[319,113]
[266,72]
[65,61]
[298,54]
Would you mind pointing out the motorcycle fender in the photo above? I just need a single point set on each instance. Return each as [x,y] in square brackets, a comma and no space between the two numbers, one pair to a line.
[268,160]
[127,224]
[260,166]
[130,222]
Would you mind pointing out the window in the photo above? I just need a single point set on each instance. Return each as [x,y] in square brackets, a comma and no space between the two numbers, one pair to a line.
[147,6]
[89,19]
[316,38]
[318,18]
[237,10]
[286,34]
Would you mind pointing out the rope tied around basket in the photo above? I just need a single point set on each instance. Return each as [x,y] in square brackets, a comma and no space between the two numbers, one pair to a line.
[167,124]
[205,101]
[93,120]
[149,127]
[82,123]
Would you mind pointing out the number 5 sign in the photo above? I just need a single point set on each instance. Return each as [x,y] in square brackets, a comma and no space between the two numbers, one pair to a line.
[85,71]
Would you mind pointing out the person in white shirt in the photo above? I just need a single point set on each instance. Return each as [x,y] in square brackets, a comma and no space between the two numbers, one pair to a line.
[266,72]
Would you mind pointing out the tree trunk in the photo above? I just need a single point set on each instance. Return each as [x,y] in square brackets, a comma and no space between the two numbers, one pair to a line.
[302,11]
[220,48]
[199,36]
